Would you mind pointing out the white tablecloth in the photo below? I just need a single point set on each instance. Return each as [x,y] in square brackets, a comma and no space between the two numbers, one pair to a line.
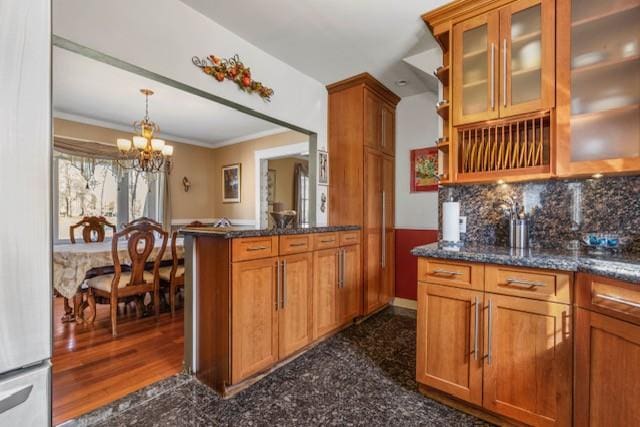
[71,262]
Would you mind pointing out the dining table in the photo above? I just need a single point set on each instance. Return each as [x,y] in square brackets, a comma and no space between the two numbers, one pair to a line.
[72,262]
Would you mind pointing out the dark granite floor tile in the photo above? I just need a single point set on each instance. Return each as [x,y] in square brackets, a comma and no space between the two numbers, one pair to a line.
[363,376]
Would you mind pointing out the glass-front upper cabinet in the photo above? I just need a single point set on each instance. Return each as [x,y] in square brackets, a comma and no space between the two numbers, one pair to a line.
[527,56]
[598,70]
[504,62]
[475,69]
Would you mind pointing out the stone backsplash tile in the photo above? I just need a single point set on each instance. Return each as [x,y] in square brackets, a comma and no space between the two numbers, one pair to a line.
[561,211]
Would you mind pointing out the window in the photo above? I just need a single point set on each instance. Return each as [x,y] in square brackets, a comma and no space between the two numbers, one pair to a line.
[85,187]
[304,199]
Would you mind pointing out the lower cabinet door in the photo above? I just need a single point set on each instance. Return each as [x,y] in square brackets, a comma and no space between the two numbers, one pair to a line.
[449,341]
[295,316]
[607,371]
[254,317]
[527,364]
[325,287]
[349,295]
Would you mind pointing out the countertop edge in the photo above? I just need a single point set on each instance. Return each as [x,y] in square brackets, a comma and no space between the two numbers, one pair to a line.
[233,234]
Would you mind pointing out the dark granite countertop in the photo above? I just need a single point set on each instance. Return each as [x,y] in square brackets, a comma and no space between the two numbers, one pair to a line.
[235,232]
[625,267]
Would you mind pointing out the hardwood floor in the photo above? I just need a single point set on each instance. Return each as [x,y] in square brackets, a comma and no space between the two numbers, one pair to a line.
[91,368]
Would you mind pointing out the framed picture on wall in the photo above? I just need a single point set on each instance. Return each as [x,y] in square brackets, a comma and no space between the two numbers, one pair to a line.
[424,169]
[271,186]
[231,179]
[323,168]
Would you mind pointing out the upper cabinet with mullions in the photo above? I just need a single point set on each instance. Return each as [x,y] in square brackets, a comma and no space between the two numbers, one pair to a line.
[504,62]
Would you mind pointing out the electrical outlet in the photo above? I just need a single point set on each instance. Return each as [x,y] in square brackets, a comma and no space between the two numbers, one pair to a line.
[463,224]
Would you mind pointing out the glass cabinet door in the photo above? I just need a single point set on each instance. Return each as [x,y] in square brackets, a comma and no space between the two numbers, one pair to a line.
[527,56]
[599,72]
[475,69]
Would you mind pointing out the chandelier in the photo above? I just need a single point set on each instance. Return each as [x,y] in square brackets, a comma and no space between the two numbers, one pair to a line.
[145,153]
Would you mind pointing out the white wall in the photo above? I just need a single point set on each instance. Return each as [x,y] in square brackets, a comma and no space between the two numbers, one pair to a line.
[416,127]
[163,35]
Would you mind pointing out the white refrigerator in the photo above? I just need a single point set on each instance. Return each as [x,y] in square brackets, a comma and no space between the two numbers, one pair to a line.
[25,213]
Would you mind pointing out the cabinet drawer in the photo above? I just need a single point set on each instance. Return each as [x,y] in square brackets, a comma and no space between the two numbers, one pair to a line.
[325,241]
[296,244]
[460,274]
[609,296]
[529,283]
[247,248]
[349,238]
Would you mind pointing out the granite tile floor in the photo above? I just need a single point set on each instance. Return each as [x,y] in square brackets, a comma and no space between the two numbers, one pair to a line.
[362,376]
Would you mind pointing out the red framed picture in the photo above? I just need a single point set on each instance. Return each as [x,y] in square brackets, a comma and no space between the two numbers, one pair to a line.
[424,169]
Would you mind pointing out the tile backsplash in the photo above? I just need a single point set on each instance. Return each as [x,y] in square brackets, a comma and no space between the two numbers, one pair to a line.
[561,212]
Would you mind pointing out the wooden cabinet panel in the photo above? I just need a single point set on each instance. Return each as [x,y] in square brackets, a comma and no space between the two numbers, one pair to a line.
[529,282]
[296,244]
[527,57]
[325,241]
[349,238]
[475,69]
[609,296]
[372,120]
[527,368]
[349,295]
[388,131]
[254,317]
[295,316]
[325,285]
[373,257]
[449,343]
[607,371]
[459,274]
[247,248]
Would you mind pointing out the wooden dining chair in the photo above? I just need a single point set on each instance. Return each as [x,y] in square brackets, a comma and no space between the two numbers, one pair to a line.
[131,285]
[93,229]
[143,219]
[172,277]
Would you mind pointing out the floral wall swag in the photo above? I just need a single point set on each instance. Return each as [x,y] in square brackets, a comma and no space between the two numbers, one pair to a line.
[232,69]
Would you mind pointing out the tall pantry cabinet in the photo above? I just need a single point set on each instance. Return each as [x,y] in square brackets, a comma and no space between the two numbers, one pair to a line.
[361,177]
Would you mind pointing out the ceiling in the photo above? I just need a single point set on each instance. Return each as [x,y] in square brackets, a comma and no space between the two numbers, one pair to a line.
[93,92]
[330,40]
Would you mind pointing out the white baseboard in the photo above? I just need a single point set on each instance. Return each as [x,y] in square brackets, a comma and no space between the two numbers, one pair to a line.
[405,303]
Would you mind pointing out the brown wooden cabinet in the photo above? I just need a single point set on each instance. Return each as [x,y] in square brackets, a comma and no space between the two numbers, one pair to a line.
[449,349]
[254,317]
[510,355]
[349,292]
[324,291]
[527,368]
[607,355]
[361,150]
[295,316]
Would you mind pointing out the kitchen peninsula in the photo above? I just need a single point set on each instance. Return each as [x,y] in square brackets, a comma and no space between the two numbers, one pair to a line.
[263,296]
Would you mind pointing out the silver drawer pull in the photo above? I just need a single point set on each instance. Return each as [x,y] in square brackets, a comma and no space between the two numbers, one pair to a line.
[14,398]
[447,272]
[328,241]
[257,248]
[618,300]
[524,283]
[295,245]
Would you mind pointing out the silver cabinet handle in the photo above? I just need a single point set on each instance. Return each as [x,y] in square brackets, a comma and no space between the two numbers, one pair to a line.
[327,241]
[618,299]
[524,283]
[447,272]
[493,77]
[338,255]
[277,285]
[284,283]
[475,331]
[384,237]
[256,248]
[297,245]
[344,263]
[14,398]
[504,72]
[489,331]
